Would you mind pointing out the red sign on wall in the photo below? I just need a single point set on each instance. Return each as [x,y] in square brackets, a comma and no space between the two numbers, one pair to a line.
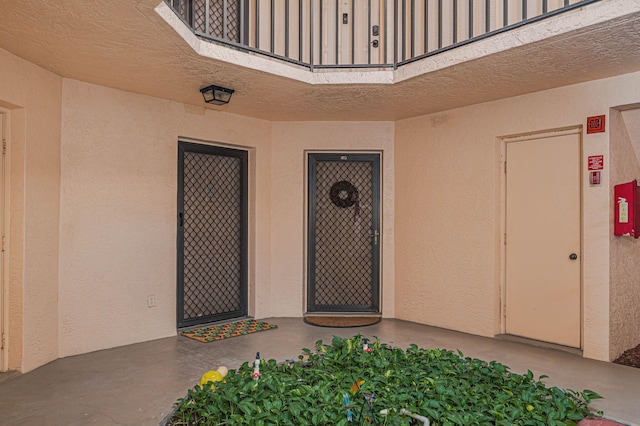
[595,124]
[596,162]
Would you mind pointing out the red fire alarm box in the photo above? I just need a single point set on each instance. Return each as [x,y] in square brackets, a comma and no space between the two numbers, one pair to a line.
[626,212]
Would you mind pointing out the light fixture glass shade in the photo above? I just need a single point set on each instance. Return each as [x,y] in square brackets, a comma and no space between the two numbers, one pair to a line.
[216,95]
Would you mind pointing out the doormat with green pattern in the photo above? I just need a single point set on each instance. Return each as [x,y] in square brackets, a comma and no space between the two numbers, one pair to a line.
[225,331]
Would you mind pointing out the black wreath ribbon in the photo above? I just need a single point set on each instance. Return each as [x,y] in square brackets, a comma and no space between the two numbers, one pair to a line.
[343,194]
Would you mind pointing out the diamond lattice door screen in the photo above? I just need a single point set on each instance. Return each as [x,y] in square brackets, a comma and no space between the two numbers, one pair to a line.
[343,235]
[224,18]
[212,234]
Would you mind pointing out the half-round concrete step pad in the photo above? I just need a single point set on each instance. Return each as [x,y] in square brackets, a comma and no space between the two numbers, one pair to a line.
[341,321]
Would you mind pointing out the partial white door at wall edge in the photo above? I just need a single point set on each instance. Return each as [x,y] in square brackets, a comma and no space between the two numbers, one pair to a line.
[3,324]
[543,239]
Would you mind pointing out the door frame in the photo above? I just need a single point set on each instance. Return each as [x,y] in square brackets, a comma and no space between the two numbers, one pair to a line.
[376,156]
[502,177]
[4,226]
[243,155]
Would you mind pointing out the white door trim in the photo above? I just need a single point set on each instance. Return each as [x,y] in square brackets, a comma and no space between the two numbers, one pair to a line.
[4,215]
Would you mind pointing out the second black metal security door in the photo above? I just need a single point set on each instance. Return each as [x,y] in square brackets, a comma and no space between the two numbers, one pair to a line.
[343,233]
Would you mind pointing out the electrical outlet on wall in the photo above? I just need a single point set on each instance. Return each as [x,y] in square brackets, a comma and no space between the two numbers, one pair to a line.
[151,301]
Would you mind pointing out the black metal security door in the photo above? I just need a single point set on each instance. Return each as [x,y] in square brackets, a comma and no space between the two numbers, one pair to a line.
[212,234]
[344,233]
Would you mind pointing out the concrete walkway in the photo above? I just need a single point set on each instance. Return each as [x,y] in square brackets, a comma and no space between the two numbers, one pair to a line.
[138,384]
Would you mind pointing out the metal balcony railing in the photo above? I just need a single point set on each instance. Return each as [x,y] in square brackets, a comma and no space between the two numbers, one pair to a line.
[378,34]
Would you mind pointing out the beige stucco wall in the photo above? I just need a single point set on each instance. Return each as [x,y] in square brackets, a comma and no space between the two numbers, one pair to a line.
[118,209]
[290,141]
[93,203]
[33,97]
[449,264]
[118,212]
[625,251]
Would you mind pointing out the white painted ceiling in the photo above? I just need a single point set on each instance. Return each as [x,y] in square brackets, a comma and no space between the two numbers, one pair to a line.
[126,45]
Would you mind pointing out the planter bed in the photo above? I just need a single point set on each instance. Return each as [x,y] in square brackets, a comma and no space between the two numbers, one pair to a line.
[356,381]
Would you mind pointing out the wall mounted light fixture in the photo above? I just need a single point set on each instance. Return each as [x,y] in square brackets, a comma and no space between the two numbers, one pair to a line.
[216,95]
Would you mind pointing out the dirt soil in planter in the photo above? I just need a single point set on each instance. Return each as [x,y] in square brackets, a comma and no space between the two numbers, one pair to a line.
[630,357]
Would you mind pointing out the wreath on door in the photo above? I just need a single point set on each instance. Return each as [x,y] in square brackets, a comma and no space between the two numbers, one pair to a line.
[343,194]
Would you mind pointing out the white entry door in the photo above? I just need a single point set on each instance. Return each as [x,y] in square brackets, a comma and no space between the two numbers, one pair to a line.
[3,313]
[543,239]
[353,32]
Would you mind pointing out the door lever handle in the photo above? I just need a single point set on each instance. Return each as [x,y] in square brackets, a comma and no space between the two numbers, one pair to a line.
[375,237]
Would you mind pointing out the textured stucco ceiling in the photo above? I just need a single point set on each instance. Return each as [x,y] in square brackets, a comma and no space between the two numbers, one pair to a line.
[125,44]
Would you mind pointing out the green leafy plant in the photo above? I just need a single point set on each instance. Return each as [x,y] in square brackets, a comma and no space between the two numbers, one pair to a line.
[443,385]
